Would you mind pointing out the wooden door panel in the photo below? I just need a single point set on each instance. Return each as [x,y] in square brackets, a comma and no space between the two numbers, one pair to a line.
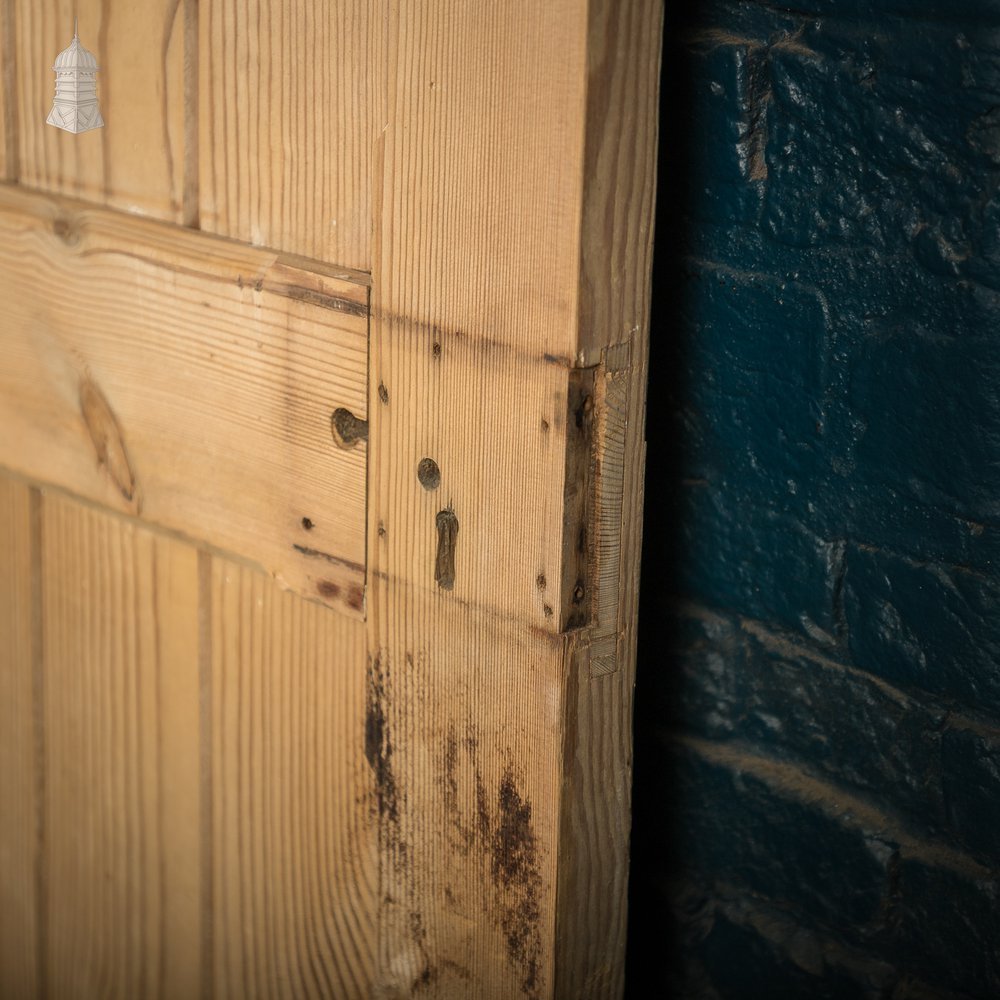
[286,125]
[293,812]
[476,212]
[8,95]
[118,703]
[294,709]
[188,809]
[188,380]
[19,647]
[145,163]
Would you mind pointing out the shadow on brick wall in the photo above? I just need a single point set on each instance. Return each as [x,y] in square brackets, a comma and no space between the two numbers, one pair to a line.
[817,732]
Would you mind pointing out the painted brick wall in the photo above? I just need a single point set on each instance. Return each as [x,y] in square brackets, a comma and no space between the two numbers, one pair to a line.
[818,734]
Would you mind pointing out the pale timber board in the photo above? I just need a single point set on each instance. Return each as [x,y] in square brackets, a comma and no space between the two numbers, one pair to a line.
[476,258]
[121,793]
[189,380]
[286,125]
[293,821]
[474,330]
[478,174]
[495,424]
[141,161]
[19,648]
[464,737]
[491,171]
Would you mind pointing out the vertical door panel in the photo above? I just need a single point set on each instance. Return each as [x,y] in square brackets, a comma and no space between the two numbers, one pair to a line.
[120,694]
[292,819]
[286,126]
[141,161]
[8,78]
[19,842]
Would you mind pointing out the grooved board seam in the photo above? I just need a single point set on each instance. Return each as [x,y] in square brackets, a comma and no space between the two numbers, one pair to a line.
[38,712]
[206,790]
[8,89]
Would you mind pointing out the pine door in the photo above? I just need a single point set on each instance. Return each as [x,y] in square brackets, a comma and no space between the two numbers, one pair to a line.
[322,375]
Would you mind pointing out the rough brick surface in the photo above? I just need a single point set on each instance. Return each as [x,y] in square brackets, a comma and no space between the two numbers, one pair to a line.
[971,771]
[821,589]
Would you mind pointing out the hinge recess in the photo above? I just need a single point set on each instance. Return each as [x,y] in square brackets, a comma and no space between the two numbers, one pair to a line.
[597,423]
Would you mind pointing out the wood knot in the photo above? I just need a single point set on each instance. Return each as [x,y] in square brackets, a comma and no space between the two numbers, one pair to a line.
[106,436]
[66,229]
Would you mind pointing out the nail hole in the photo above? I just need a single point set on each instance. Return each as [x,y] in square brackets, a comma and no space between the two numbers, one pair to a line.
[541,582]
[381,530]
[383,393]
[307,523]
[429,474]
[347,429]
[548,610]
[436,349]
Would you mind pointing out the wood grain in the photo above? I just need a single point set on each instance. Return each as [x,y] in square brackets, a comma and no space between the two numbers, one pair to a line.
[619,183]
[239,791]
[190,380]
[495,425]
[478,187]
[19,757]
[8,93]
[292,826]
[475,267]
[464,738]
[137,162]
[287,127]
[122,772]
[489,203]
[619,174]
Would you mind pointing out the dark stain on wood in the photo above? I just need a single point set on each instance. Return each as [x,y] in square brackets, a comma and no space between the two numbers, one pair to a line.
[356,597]
[106,436]
[515,869]
[499,831]
[331,591]
[328,557]
[479,345]
[316,298]
[444,563]
[347,429]
[378,748]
